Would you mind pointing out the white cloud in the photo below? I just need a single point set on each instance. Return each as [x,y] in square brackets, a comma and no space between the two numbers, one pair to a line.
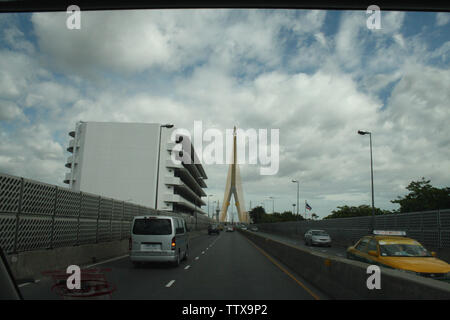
[228,68]
[442,18]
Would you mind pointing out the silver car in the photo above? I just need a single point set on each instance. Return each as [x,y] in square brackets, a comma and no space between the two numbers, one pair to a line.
[158,239]
[317,237]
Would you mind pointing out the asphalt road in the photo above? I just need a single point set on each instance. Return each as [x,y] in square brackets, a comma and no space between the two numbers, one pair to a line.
[334,250]
[223,267]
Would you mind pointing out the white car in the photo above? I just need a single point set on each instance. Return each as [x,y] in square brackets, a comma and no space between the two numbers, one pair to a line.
[158,239]
[317,237]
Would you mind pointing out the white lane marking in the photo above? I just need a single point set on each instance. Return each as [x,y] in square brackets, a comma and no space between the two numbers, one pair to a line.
[23,284]
[170,283]
[187,267]
[196,258]
[113,259]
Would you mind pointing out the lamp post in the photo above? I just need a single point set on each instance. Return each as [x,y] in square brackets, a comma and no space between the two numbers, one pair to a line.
[159,157]
[273,204]
[298,188]
[371,174]
[209,195]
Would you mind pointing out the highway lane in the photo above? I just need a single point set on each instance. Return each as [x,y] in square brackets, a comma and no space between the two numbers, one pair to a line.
[223,267]
[333,250]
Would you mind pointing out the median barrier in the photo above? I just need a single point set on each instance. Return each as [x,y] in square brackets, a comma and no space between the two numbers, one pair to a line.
[341,278]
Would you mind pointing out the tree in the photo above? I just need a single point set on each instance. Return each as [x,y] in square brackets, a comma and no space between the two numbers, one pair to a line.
[362,210]
[257,214]
[422,197]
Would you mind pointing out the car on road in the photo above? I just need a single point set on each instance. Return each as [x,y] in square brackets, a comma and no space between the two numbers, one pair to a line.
[213,228]
[229,229]
[158,239]
[254,228]
[392,249]
[317,237]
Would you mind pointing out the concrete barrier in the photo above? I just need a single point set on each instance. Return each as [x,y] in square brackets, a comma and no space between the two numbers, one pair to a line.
[29,265]
[346,279]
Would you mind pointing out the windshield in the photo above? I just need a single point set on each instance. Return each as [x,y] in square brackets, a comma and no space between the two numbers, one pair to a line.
[152,227]
[320,233]
[284,120]
[403,250]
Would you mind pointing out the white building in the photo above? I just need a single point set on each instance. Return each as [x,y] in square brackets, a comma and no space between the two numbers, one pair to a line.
[130,161]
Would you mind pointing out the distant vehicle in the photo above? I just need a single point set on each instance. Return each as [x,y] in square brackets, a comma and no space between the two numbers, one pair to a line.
[244,228]
[392,249]
[230,229]
[220,227]
[254,228]
[317,237]
[213,228]
[158,239]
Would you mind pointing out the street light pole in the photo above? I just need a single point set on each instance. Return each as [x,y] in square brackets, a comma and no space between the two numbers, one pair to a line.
[298,188]
[371,175]
[209,195]
[159,157]
[273,204]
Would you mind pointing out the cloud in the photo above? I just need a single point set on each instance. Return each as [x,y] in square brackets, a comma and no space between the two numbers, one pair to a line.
[442,18]
[258,69]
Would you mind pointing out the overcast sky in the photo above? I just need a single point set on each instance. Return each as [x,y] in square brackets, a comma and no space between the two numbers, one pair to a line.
[317,76]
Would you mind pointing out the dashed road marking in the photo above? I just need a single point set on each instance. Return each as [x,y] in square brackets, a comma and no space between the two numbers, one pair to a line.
[196,258]
[187,267]
[170,283]
[113,259]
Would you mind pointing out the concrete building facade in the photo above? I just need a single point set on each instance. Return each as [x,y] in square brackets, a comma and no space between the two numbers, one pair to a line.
[132,162]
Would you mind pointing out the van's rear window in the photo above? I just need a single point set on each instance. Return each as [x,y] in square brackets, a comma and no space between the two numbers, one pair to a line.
[152,227]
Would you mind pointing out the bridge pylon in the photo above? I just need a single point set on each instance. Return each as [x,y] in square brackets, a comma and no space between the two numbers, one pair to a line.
[234,187]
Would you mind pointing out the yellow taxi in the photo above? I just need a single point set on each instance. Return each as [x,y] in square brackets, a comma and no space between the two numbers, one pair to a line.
[392,249]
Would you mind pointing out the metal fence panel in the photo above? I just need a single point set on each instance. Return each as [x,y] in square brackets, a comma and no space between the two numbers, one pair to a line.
[65,232]
[89,206]
[67,203]
[34,232]
[104,230]
[106,208]
[88,231]
[38,198]
[7,232]
[9,193]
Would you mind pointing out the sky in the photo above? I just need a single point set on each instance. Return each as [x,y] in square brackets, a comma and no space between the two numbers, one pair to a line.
[317,76]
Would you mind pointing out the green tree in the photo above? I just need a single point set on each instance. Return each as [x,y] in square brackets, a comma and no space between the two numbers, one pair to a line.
[423,196]
[362,210]
[257,214]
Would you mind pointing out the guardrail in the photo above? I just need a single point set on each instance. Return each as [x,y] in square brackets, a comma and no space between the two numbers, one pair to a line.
[431,228]
[36,215]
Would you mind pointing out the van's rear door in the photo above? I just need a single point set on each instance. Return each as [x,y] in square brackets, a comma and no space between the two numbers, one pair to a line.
[152,234]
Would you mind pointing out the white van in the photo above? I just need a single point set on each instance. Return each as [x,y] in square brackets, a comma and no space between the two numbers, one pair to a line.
[158,239]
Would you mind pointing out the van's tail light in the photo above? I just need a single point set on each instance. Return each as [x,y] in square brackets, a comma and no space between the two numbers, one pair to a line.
[173,243]
[130,244]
